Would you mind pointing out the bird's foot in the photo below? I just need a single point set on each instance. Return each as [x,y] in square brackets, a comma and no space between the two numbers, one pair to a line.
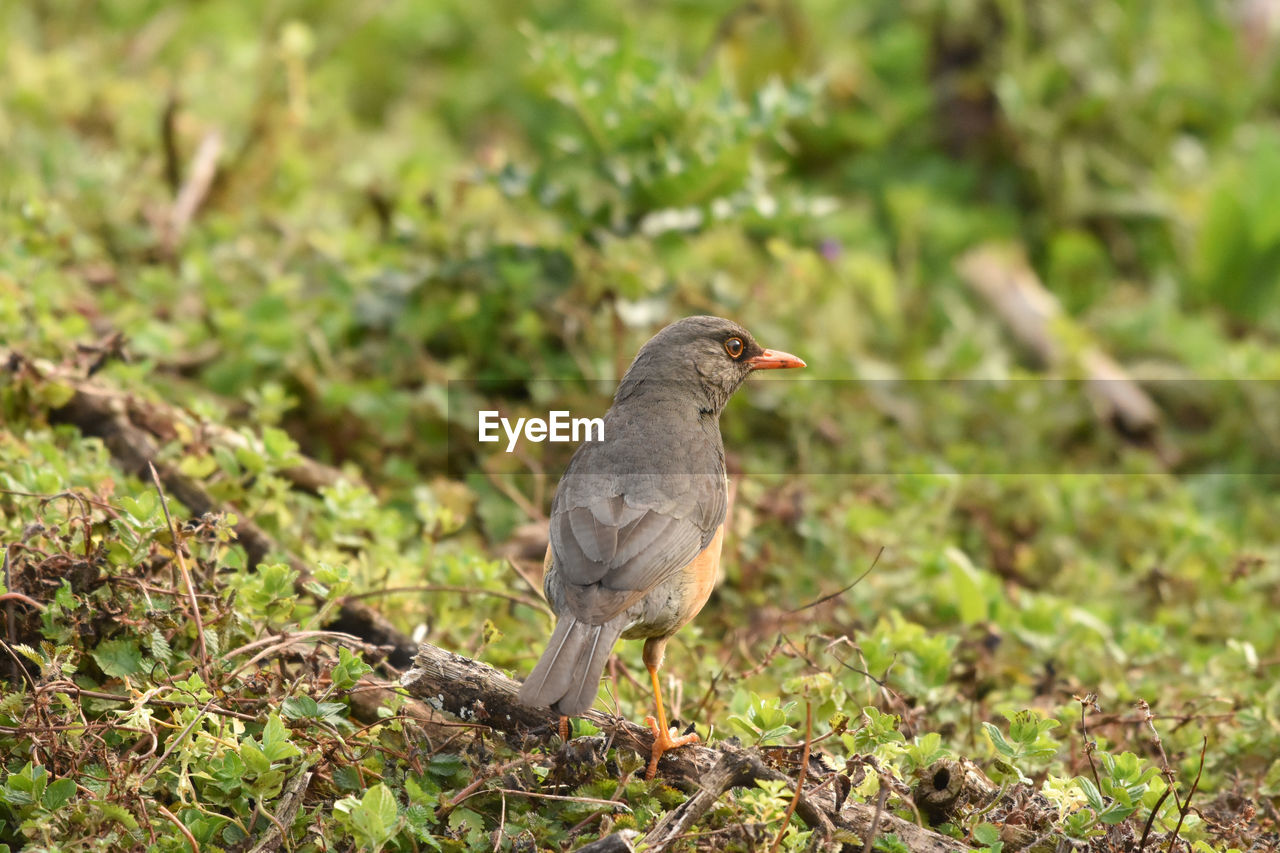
[662,742]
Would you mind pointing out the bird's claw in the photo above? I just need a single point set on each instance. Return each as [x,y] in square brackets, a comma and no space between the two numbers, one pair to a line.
[662,742]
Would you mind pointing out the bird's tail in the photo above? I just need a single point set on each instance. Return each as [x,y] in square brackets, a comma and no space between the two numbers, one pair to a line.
[567,677]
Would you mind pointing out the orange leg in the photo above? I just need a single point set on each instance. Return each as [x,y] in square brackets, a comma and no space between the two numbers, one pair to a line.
[564,729]
[662,739]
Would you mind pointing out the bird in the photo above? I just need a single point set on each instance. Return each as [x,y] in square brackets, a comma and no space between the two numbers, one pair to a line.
[637,521]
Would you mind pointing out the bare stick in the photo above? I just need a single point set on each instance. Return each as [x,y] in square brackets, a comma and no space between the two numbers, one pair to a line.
[204,166]
[1089,699]
[1185,805]
[874,829]
[169,142]
[1003,278]
[172,818]
[1151,818]
[130,431]
[824,599]
[290,802]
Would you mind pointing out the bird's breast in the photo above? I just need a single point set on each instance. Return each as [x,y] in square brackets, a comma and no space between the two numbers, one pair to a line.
[672,604]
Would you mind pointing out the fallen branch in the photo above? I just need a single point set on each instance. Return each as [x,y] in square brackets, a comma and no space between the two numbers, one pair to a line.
[1003,278]
[132,431]
[204,166]
[949,786]
[477,693]
[286,811]
[618,842]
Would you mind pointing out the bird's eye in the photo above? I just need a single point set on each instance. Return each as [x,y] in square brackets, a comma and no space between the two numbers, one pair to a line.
[734,347]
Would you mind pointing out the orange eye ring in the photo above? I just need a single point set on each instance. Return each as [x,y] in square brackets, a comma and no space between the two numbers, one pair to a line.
[734,347]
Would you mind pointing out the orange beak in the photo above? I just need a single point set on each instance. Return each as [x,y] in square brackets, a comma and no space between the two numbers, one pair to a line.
[772,359]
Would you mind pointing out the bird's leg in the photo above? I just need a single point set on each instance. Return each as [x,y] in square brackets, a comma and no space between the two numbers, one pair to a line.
[564,728]
[662,739]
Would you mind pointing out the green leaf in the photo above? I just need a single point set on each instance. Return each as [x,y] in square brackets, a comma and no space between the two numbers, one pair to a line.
[887,842]
[1091,793]
[446,766]
[1031,733]
[275,740]
[998,740]
[989,835]
[300,707]
[927,749]
[1116,813]
[254,759]
[55,395]
[58,794]
[375,818]
[349,669]
[966,579]
[878,729]
[118,658]
[280,447]
[266,786]
[347,778]
[114,812]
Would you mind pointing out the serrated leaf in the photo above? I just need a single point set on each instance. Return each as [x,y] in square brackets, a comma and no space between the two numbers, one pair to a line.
[986,833]
[349,669]
[118,658]
[300,707]
[347,778]
[115,812]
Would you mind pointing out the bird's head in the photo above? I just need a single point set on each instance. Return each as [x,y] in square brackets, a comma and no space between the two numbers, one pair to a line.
[707,358]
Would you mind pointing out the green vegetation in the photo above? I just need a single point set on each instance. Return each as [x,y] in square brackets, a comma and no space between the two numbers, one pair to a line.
[407,194]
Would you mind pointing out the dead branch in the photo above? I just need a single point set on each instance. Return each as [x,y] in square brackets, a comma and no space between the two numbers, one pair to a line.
[132,430]
[477,693]
[618,842]
[946,787]
[290,802]
[204,166]
[1035,319]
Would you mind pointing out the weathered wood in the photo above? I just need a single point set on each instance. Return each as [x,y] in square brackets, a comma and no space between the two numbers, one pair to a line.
[947,786]
[477,693]
[1003,278]
[736,768]
[290,801]
[618,842]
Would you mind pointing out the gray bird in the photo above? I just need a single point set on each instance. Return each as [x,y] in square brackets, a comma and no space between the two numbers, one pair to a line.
[637,522]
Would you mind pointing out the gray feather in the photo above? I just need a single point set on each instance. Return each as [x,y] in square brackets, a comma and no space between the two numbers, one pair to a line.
[567,676]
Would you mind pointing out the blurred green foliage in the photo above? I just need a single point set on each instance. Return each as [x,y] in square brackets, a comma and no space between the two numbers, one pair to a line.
[413,194]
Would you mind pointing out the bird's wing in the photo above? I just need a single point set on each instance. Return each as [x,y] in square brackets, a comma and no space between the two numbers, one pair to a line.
[616,541]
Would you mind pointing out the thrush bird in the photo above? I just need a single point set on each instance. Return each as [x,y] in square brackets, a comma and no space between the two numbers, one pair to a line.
[637,522]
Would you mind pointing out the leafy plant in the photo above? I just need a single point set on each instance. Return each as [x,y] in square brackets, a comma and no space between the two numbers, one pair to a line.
[638,145]
[764,722]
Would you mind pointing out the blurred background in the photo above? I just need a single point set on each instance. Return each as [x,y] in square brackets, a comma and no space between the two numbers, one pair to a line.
[351,224]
